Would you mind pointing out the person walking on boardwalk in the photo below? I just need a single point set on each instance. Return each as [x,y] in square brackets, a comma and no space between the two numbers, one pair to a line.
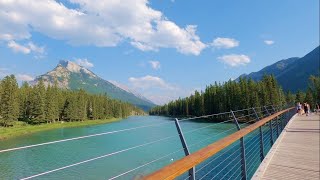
[299,108]
[305,107]
[317,109]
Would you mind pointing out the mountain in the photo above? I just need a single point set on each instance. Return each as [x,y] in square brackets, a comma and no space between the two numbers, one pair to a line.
[293,73]
[70,75]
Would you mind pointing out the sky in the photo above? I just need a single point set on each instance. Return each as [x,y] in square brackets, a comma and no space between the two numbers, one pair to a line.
[162,49]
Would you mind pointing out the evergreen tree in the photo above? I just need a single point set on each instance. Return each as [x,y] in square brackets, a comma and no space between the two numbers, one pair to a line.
[314,86]
[51,107]
[24,101]
[37,110]
[224,97]
[309,98]
[300,97]
[9,100]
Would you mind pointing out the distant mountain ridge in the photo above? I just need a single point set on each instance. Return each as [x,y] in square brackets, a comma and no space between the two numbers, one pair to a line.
[293,73]
[70,75]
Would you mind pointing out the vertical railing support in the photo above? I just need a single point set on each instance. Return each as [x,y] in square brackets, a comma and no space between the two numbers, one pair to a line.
[185,148]
[243,152]
[270,125]
[261,137]
[277,121]
[282,122]
[287,117]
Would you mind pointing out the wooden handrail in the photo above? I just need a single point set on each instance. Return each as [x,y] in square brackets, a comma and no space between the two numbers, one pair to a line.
[181,166]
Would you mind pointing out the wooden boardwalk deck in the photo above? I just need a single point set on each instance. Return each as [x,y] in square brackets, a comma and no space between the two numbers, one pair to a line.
[295,155]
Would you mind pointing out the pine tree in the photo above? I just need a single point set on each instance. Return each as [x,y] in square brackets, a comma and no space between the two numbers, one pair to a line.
[51,107]
[9,100]
[81,105]
[300,96]
[309,98]
[38,103]
[314,86]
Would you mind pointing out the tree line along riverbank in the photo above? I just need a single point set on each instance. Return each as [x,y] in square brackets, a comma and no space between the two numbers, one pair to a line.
[235,95]
[47,104]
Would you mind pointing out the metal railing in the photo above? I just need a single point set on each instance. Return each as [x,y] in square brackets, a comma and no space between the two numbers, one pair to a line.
[225,158]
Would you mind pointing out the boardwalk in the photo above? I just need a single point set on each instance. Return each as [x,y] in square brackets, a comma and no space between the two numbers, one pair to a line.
[295,155]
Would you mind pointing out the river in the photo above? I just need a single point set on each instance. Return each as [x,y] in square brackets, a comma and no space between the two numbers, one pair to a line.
[32,161]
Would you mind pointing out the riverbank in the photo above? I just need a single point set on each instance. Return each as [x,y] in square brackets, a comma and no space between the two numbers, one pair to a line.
[23,129]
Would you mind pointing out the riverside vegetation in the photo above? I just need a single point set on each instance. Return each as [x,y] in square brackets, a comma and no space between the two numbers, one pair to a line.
[236,95]
[21,107]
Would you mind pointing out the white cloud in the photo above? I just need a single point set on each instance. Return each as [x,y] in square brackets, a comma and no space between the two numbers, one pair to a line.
[84,62]
[156,89]
[24,77]
[35,48]
[18,48]
[149,82]
[268,42]
[155,64]
[30,47]
[225,43]
[97,22]
[235,59]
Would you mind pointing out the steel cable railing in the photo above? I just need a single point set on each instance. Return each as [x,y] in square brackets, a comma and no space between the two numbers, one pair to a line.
[211,137]
[239,168]
[145,164]
[204,116]
[187,132]
[238,163]
[220,164]
[248,116]
[215,158]
[225,166]
[82,137]
[99,157]
[254,154]
[190,131]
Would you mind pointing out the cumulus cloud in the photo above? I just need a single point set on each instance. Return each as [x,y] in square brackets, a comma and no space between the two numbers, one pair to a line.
[155,64]
[28,48]
[268,42]
[235,59]
[224,43]
[156,89]
[84,62]
[148,82]
[18,48]
[24,77]
[100,23]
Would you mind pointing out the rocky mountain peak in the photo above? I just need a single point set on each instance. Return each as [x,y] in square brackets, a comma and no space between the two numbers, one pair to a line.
[70,75]
[71,66]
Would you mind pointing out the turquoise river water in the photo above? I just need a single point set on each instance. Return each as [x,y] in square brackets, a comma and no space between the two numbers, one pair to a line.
[133,162]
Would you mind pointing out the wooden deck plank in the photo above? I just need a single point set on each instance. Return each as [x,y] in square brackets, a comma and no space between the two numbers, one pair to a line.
[295,155]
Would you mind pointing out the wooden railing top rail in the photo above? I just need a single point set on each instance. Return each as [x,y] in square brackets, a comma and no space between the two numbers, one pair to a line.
[183,165]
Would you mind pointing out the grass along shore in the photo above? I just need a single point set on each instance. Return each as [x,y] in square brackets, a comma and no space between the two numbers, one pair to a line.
[23,129]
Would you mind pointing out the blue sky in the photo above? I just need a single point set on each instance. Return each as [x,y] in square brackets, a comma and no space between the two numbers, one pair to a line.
[162,49]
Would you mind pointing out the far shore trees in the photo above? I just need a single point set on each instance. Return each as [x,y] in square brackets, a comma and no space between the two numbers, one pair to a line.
[235,95]
[46,104]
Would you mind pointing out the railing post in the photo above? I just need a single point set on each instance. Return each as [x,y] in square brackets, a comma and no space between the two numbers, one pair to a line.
[270,125]
[243,152]
[287,117]
[261,137]
[277,121]
[282,122]
[185,148]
